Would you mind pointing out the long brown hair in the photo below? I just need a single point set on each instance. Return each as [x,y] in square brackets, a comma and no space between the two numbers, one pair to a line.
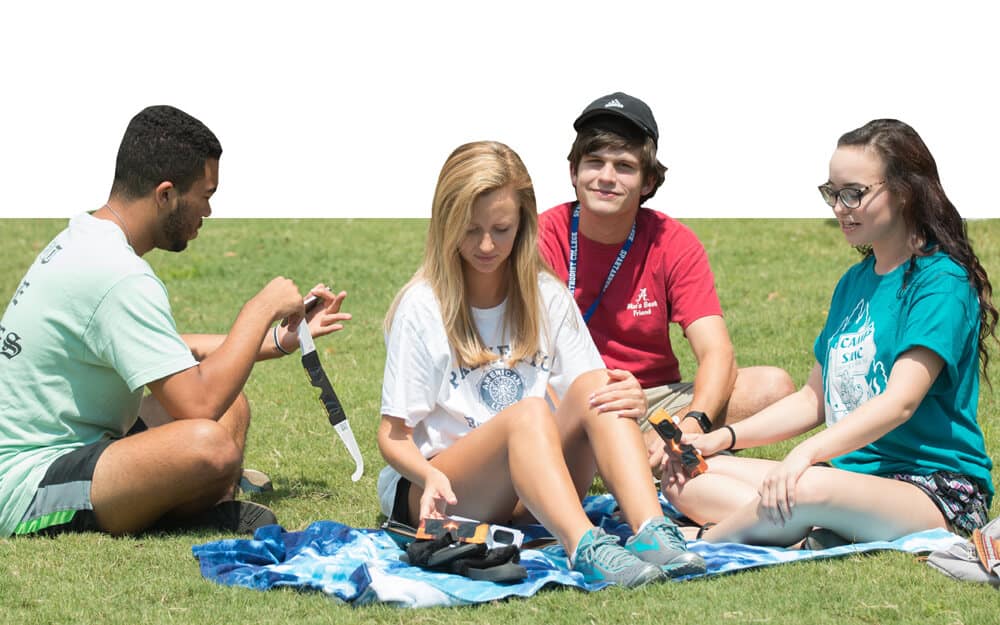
[911,175]
[473,170]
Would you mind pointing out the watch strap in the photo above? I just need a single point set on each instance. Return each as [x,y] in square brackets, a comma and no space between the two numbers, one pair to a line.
[703,421]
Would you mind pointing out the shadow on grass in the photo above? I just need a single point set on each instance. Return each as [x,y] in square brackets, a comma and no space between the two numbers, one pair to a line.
[299,487]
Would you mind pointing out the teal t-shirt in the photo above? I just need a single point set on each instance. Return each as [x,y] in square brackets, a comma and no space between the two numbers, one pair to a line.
[872,321]
[86,329]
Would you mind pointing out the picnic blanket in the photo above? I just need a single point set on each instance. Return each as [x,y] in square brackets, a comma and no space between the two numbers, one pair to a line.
[362,566]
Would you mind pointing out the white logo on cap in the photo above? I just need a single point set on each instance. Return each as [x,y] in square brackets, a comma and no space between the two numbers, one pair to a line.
[614,104]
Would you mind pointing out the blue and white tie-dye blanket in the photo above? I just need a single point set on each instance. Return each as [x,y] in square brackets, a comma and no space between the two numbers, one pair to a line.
[362,566]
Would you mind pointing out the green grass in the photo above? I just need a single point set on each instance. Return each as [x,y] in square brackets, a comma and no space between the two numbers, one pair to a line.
[775,278]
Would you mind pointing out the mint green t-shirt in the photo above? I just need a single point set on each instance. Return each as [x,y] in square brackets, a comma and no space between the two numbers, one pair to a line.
[86,329]
[872,321]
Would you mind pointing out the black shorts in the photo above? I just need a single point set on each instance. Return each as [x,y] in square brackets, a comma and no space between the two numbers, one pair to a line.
[62,501]
[961,500]
[401,504]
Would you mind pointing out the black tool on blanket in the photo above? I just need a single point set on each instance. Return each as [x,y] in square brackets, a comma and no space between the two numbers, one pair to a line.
[472,560]
[463,530]
[469,531]
[401,533]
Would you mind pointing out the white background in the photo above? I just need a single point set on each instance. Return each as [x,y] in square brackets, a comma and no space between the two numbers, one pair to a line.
[348,109]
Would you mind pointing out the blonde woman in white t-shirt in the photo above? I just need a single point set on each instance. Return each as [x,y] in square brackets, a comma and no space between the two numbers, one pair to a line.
[473,342]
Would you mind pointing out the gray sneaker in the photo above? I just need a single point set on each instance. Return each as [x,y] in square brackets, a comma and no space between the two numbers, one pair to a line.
[600,558]
[661,543]
[253,481]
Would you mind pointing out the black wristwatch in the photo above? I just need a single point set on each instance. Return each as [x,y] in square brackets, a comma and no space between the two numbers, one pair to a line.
[703,421]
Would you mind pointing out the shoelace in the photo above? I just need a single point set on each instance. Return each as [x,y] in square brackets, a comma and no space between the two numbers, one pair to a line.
[671,534]
[618,560]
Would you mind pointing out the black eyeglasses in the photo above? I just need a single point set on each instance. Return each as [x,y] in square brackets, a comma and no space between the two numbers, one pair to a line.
[850,197]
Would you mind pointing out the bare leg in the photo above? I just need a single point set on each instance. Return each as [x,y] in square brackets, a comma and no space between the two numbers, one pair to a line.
[756,388]
[236,420]
[729,485]
[176,469]
[180,467]
[857,506]
[514,456]
[611,445]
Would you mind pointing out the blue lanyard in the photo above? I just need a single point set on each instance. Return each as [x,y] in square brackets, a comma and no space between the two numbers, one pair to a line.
[574,227]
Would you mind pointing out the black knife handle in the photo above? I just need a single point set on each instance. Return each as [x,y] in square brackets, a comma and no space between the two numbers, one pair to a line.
[327,396]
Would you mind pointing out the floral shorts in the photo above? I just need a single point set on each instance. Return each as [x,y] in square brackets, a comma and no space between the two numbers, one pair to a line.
[960,499]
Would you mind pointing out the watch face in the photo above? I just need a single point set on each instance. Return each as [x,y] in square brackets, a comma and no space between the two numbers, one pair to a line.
[703,421]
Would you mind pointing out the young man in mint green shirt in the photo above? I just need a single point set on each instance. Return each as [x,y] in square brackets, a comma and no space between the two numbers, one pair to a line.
[90,327]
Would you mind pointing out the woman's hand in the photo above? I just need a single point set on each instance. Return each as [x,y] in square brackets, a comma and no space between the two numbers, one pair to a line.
[672,469]
[777,491]
[672,473]
[621,396]
[437,495]
[709,443]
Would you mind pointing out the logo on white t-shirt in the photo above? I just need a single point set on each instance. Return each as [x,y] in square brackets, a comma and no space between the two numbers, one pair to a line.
[500,388]
[642,305]
[853,376]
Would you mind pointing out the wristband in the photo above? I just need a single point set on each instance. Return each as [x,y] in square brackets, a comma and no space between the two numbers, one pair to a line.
[732,433]
[277,343]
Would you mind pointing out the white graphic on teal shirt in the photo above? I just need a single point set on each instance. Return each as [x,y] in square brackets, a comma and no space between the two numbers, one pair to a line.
[853,376]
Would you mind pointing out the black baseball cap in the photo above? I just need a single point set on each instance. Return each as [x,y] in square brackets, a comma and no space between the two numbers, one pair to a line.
[621,105]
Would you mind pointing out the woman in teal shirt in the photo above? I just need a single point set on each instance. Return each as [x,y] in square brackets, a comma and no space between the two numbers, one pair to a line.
[896,378]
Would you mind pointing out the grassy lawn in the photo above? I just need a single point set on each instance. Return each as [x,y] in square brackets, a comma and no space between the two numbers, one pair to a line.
[775,278]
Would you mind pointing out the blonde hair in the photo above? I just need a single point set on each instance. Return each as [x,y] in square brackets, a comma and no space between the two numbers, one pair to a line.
[473,170]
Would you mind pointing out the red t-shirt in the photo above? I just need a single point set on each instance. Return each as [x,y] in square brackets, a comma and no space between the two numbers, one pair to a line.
[665,278]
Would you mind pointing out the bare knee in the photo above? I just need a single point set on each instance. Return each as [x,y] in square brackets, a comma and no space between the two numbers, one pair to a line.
[710,495]
[587,383]
[212,451]
[757,388]
[575,405]
[815,488]
[531,414]
[693,497]
[776,385]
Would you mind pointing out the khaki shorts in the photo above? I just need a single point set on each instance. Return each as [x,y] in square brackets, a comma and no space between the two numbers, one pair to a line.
[670,397]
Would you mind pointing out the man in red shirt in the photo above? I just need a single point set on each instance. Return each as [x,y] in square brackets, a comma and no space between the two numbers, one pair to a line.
[633,271]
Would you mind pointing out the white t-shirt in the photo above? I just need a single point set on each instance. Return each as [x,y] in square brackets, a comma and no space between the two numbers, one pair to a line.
[425,387]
